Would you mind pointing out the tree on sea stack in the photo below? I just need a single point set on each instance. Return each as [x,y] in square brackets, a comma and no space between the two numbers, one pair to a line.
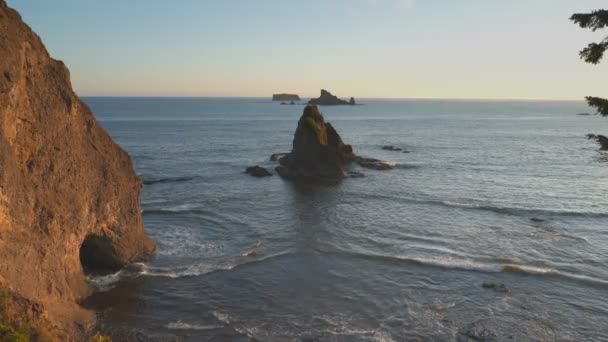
[594,52]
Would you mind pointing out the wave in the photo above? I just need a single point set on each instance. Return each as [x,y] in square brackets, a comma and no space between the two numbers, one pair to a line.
[153,180]
[106,282]
[179,325]
[202,268]
[477,266]
[521,211]
[487,206]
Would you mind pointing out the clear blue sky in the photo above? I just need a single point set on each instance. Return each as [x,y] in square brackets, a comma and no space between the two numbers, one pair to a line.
[361,48]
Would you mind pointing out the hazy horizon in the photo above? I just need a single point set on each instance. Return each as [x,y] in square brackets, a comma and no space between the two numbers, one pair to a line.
[386,49]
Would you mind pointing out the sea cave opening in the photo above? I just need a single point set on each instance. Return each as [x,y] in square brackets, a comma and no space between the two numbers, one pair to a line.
[97,255]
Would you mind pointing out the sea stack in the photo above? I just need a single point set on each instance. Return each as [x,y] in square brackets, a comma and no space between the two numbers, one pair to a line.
[327,99]
[69,197]
[318,150]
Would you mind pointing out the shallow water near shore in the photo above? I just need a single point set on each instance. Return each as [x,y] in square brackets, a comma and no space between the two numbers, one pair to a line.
[506,192]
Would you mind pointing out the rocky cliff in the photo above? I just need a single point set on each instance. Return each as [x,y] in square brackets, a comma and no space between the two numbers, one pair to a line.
[69,198]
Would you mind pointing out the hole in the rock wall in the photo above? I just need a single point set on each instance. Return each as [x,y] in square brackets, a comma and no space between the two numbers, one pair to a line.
[97,255]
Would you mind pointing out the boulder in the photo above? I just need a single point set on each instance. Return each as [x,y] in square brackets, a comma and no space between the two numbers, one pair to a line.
[277,156]
[257,171]
[500,288]
[69,196]
[327,99]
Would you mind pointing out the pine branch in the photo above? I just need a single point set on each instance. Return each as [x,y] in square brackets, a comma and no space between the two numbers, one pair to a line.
[599,103]
[595,20]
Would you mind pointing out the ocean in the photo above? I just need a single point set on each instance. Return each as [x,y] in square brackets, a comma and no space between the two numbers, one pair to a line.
[491,193]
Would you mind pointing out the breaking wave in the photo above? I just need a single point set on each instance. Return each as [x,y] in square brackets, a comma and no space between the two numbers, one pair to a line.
[102,283]
[179,325]
[477,266]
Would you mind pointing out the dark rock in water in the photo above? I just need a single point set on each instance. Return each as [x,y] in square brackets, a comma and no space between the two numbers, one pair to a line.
[534,219]
[476,332]
[283,103]
[371,163]
[292,103]
[277,156]
[285,97]
[602,140]
[318,150]
[583,114]
[502,288]
[327,99]
[391,148]
[355,174]
[257,171]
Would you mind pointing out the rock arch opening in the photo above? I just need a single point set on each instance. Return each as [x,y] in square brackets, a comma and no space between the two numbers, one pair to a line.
[97,255]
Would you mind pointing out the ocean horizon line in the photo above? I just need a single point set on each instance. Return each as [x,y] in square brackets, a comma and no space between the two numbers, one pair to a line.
[582,100]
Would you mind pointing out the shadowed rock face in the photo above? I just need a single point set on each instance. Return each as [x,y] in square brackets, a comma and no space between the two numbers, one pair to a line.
[327,99]
[68,193]
[318,150]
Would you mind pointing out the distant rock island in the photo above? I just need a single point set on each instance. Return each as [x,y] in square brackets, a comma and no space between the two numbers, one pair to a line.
[328,99]
[285,97]
[319,152]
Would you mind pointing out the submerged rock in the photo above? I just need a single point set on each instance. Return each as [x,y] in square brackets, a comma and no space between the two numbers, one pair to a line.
[602,140]
[501,288]
[69,197]
[392,148]
[327,99]
[257,171]
[371,163]
[277,156]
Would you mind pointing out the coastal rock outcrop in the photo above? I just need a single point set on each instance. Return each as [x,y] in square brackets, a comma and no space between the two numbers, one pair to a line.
[318,150]
[285,97]
[69,197]
[327,99]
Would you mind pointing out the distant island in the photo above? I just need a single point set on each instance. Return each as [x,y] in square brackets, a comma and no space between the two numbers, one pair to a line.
[328,99]
[285,97]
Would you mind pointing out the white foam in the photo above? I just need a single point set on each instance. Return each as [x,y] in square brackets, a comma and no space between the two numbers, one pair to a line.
[180,325]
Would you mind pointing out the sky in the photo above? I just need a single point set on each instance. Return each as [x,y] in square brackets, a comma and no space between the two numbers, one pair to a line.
[473,49]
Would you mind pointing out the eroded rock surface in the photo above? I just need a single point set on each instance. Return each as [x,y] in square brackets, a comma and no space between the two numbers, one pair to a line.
[63,181]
